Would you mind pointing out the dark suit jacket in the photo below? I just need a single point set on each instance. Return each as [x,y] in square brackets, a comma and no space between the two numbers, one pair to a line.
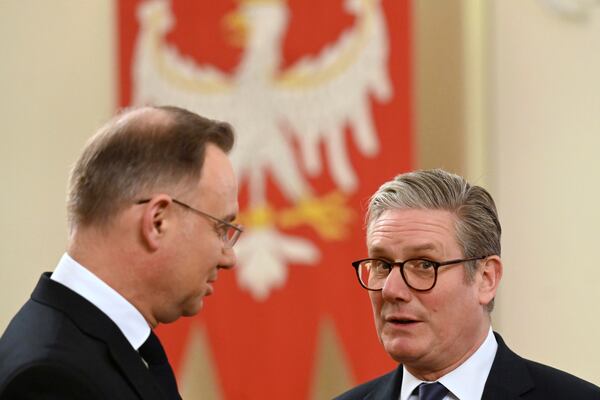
[511,377]
[61,346]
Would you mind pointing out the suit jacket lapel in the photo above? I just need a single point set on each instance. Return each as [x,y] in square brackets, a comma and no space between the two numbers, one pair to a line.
[389,389]
[97,324]
[509,377]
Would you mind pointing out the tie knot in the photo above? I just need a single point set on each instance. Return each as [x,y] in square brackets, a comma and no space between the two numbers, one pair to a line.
[432,391]
[152,351]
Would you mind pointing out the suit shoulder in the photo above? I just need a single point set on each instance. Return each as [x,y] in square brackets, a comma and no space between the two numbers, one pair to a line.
[38,330]
[50,380]
[39,337]
[556,380]
[362,390]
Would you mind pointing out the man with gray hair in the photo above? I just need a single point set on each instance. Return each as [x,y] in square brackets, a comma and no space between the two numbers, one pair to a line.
[432,273]
[151,206]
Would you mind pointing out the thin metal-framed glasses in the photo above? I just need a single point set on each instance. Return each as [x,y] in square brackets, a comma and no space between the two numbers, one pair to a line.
[229,232]
[419,274]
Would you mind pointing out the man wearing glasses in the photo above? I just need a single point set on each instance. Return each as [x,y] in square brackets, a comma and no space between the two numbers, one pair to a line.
[432,272]
[151,205]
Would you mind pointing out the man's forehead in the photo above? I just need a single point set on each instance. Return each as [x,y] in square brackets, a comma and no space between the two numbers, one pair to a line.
[423,246]
[216,164]
[416,229]
[217,183]
[403,218]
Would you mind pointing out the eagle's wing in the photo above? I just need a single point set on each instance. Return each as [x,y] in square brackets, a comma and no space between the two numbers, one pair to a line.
[163,76]
[319,97]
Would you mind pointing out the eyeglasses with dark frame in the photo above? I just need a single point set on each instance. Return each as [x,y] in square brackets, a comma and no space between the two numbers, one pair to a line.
[229,236]
[419,274]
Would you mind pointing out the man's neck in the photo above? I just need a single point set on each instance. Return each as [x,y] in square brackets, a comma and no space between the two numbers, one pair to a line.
[72,274]
[467,381]
[109,257]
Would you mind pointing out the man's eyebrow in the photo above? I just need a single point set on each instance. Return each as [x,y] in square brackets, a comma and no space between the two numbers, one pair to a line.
[377,251]
[230,217]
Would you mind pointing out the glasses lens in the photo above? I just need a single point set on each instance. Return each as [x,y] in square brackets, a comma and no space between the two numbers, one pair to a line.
[231,236]
[419,274]
[373,273]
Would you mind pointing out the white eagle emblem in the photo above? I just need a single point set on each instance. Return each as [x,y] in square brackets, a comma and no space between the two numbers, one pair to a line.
[308,105]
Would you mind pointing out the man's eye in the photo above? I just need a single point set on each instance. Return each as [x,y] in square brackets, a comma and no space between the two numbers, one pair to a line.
[221,229]
[378,266]
[425,264]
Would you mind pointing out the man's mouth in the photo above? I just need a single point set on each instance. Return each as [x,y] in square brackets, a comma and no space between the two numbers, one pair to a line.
[401,320]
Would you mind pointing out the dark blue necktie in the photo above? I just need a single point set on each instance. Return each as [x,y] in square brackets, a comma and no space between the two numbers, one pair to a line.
[432,391]
[153,353]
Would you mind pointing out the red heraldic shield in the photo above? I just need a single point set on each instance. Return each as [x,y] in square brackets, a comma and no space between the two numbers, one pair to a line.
[319,94]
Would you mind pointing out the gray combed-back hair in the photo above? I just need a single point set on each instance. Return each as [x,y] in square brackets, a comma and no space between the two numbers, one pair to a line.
[478,229]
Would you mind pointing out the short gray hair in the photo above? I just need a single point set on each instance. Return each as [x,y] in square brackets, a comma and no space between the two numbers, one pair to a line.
[141,149]
[478,229]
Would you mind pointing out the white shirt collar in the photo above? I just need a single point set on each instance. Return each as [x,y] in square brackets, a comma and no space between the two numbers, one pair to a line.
[465,382]
[83,282]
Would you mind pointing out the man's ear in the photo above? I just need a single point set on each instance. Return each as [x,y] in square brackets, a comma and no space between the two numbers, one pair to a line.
[155,221]
[491,274]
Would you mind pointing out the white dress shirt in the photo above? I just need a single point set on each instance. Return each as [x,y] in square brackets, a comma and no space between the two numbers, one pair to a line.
[465,382]
[83,282]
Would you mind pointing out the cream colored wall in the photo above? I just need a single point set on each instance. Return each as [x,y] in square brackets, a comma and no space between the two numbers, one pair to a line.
[545,173]
[56,88]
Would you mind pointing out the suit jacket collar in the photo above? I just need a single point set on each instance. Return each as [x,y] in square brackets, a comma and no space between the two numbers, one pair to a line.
[509,377]
[96,324]
[389,388]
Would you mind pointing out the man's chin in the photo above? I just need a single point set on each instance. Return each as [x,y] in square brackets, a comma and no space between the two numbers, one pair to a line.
[193,309]
[401,350]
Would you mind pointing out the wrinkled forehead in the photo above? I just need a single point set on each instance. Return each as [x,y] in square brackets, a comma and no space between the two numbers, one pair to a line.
[392,221]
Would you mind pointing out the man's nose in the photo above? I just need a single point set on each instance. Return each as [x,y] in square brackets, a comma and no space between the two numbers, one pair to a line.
[394,288]
[228,258]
